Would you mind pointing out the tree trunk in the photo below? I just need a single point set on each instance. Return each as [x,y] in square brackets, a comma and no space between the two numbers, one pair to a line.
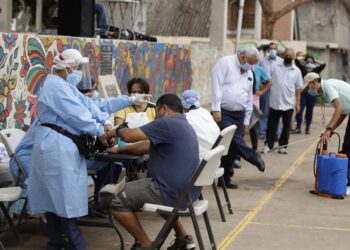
[270,17]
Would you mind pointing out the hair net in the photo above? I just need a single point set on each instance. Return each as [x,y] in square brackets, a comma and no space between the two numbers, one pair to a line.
[190,98]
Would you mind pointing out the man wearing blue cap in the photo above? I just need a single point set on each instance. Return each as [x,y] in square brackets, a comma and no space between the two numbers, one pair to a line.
[200,119]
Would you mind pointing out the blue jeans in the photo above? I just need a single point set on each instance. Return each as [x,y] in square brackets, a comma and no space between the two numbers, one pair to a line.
[101,19]
[237,146]
[308,101]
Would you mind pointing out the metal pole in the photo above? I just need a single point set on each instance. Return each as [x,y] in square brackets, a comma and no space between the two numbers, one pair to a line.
[239,22]
[258,20]
[38,15]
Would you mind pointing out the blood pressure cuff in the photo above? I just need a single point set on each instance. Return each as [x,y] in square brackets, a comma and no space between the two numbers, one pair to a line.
[84,143]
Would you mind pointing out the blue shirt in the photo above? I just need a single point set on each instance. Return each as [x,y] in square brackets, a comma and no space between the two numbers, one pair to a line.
[174,156]
[261,75]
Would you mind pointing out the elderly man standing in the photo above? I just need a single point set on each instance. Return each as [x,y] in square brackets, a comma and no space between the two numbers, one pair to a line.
[266,63]
[286,87]
[232,103]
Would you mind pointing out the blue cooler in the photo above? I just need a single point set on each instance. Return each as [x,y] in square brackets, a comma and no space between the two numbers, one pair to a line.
[332,171]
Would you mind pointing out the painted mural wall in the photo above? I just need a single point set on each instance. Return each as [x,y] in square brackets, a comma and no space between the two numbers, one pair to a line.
[25,60]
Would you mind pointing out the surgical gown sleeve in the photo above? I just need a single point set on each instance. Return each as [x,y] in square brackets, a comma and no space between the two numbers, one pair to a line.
[113,104]
[64,102]
[96,112]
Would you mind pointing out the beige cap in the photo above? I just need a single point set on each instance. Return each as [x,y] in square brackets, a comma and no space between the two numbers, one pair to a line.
[308,78]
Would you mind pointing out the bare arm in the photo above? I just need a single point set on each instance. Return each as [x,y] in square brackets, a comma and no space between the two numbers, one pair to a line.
[337,118]
[118,121]
[139,148]
[128,134]
[264,88]
[297,100]
[335,121]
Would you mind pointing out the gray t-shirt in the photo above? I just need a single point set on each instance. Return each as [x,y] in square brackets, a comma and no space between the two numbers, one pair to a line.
[174,156]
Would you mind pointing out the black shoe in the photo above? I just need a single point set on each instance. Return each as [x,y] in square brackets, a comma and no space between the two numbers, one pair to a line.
[228,185]
[296,131]
[261,163]
[307,132]
[137,246]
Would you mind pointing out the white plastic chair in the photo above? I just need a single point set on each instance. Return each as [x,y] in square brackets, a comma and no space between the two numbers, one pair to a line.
[10,194]
[11,137]
[224,139]
[204,176]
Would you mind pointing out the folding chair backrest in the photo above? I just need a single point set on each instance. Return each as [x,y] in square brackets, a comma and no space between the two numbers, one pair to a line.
[211,160]
[225,138]
[11,137]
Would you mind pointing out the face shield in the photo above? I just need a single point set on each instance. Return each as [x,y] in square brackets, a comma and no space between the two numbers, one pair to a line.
[86,81]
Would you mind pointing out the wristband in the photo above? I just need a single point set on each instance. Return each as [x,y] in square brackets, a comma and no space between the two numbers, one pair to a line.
[329,128]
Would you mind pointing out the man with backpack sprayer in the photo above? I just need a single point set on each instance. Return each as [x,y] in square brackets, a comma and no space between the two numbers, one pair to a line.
[338,93]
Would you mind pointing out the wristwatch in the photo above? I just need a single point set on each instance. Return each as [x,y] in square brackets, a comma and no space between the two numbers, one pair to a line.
[123,125]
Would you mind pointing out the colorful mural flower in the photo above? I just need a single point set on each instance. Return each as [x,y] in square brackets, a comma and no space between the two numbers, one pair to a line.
[20,108]
[10,40]
[3,57]
[6,87]
[32,108]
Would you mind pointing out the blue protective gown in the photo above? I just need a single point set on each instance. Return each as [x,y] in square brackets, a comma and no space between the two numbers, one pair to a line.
[25,147]
[58,177]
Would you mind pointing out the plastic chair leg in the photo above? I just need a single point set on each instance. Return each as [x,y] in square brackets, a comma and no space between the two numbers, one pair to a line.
[196,228]
[227,198]
[10,221]
[218,201]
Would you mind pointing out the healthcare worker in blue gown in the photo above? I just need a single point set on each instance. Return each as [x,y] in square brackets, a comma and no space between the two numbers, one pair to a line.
[57,183]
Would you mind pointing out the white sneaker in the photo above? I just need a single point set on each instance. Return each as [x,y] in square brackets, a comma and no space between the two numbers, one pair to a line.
[282,151]
[266,150]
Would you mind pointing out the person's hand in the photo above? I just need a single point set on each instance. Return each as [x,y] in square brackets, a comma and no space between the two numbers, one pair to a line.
[246,130]
[107,128]
[111,134]
[297,108]
[112,150]
[217,116]
[326,136]
[258,93]
[103,139]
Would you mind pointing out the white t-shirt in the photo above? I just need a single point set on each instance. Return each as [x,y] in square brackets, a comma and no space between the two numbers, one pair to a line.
[206,129]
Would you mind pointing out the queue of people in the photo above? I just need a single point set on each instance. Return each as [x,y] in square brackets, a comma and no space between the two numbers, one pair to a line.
[175,132]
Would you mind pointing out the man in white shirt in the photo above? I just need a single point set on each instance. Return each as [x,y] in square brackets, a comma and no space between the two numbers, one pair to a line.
[202,122]
[266,63]
[287,83]
[232,103]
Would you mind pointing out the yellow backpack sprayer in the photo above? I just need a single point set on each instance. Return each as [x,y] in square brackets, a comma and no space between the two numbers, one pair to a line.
[330,171]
